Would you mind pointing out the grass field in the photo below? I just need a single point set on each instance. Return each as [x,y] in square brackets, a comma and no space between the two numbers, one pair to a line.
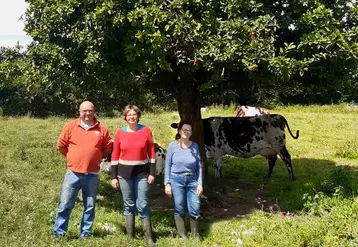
[320,208]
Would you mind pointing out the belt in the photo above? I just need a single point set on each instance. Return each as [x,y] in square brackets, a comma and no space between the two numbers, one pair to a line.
[186,174]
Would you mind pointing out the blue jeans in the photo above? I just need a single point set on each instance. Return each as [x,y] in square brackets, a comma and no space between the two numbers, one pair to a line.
[72,183]
[184,195]
[135,193]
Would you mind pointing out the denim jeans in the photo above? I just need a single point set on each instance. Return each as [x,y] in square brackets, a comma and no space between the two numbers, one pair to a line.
[72,183]
[135,193]
[184,195]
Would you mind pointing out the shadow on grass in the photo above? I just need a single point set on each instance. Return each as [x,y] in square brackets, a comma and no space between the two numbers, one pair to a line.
[243,181]
[242,190]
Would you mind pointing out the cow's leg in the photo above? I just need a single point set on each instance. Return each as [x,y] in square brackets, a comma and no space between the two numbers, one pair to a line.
[217,164]
[286,157]
[271,163]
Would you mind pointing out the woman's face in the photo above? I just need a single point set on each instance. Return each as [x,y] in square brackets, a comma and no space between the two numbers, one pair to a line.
[132,117]
[185,131]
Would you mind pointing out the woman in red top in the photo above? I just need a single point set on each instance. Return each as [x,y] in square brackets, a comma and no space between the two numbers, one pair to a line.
[133,166]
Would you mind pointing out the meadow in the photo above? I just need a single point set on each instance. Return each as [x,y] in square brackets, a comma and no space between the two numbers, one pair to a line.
[242,208]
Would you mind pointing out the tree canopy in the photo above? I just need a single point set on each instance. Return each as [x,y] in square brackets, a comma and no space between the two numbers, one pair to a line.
[198,52]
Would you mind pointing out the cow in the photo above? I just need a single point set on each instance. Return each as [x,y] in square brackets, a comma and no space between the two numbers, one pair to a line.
[246,137]
[250,111]
[160,152]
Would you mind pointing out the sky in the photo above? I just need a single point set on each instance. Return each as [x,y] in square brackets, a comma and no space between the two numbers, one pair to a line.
[11,28]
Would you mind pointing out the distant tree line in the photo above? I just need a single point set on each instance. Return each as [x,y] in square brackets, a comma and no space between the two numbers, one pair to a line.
[181,54]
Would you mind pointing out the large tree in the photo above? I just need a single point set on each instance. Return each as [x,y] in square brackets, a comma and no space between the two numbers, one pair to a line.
[218,45]
[186,46]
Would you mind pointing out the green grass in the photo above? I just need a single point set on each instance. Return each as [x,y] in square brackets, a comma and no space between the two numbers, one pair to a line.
[320,208]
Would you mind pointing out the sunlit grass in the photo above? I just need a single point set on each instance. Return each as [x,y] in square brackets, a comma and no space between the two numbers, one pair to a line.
[324,157]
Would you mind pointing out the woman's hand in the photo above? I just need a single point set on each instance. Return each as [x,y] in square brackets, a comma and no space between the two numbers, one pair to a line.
[168,190]
[199,190]
[150,179]
[114,183]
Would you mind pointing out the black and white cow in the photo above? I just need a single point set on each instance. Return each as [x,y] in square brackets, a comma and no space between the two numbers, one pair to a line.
[246,137]
[160,154]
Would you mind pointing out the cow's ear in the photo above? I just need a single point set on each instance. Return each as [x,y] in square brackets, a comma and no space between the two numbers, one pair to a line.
[174,125]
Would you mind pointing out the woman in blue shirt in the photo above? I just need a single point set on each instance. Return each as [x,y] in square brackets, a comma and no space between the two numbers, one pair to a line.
[183,178]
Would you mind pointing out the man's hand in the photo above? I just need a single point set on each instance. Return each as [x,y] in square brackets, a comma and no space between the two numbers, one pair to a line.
[114,183]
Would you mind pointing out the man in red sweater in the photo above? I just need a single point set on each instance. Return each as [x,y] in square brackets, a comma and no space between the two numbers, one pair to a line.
[84,142]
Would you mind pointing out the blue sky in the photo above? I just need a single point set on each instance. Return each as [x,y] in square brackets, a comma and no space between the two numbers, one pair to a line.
[11,28]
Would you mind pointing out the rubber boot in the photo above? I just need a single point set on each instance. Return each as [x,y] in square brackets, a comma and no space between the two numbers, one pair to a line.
[130,226]
[194,227]
[180,224]
[147,228]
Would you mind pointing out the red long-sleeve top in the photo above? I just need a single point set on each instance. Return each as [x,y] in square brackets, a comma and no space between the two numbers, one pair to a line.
[133,153]
[84,148]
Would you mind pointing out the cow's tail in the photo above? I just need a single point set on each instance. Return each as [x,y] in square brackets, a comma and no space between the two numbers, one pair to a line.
[288,127]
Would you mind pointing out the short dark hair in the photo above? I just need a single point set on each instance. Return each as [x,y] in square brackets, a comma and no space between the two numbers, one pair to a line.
[129,108]
[180,125]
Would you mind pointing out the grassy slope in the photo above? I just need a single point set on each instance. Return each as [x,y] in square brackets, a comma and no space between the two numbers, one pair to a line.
[31,172]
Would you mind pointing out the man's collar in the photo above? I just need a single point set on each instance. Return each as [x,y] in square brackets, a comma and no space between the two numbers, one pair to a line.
[95,121]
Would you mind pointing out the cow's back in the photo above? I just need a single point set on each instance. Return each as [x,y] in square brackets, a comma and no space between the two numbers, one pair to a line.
[244,137]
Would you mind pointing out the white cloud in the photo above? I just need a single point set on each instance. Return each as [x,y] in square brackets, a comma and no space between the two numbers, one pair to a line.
[11,28]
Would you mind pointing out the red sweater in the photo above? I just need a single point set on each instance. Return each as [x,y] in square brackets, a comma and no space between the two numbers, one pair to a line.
[85,148]
[133,153]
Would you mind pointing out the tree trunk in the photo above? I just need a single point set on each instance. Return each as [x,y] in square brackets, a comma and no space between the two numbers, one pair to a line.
[188,100]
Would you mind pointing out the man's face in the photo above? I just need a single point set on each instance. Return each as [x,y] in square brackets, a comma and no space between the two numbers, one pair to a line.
[87,112]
